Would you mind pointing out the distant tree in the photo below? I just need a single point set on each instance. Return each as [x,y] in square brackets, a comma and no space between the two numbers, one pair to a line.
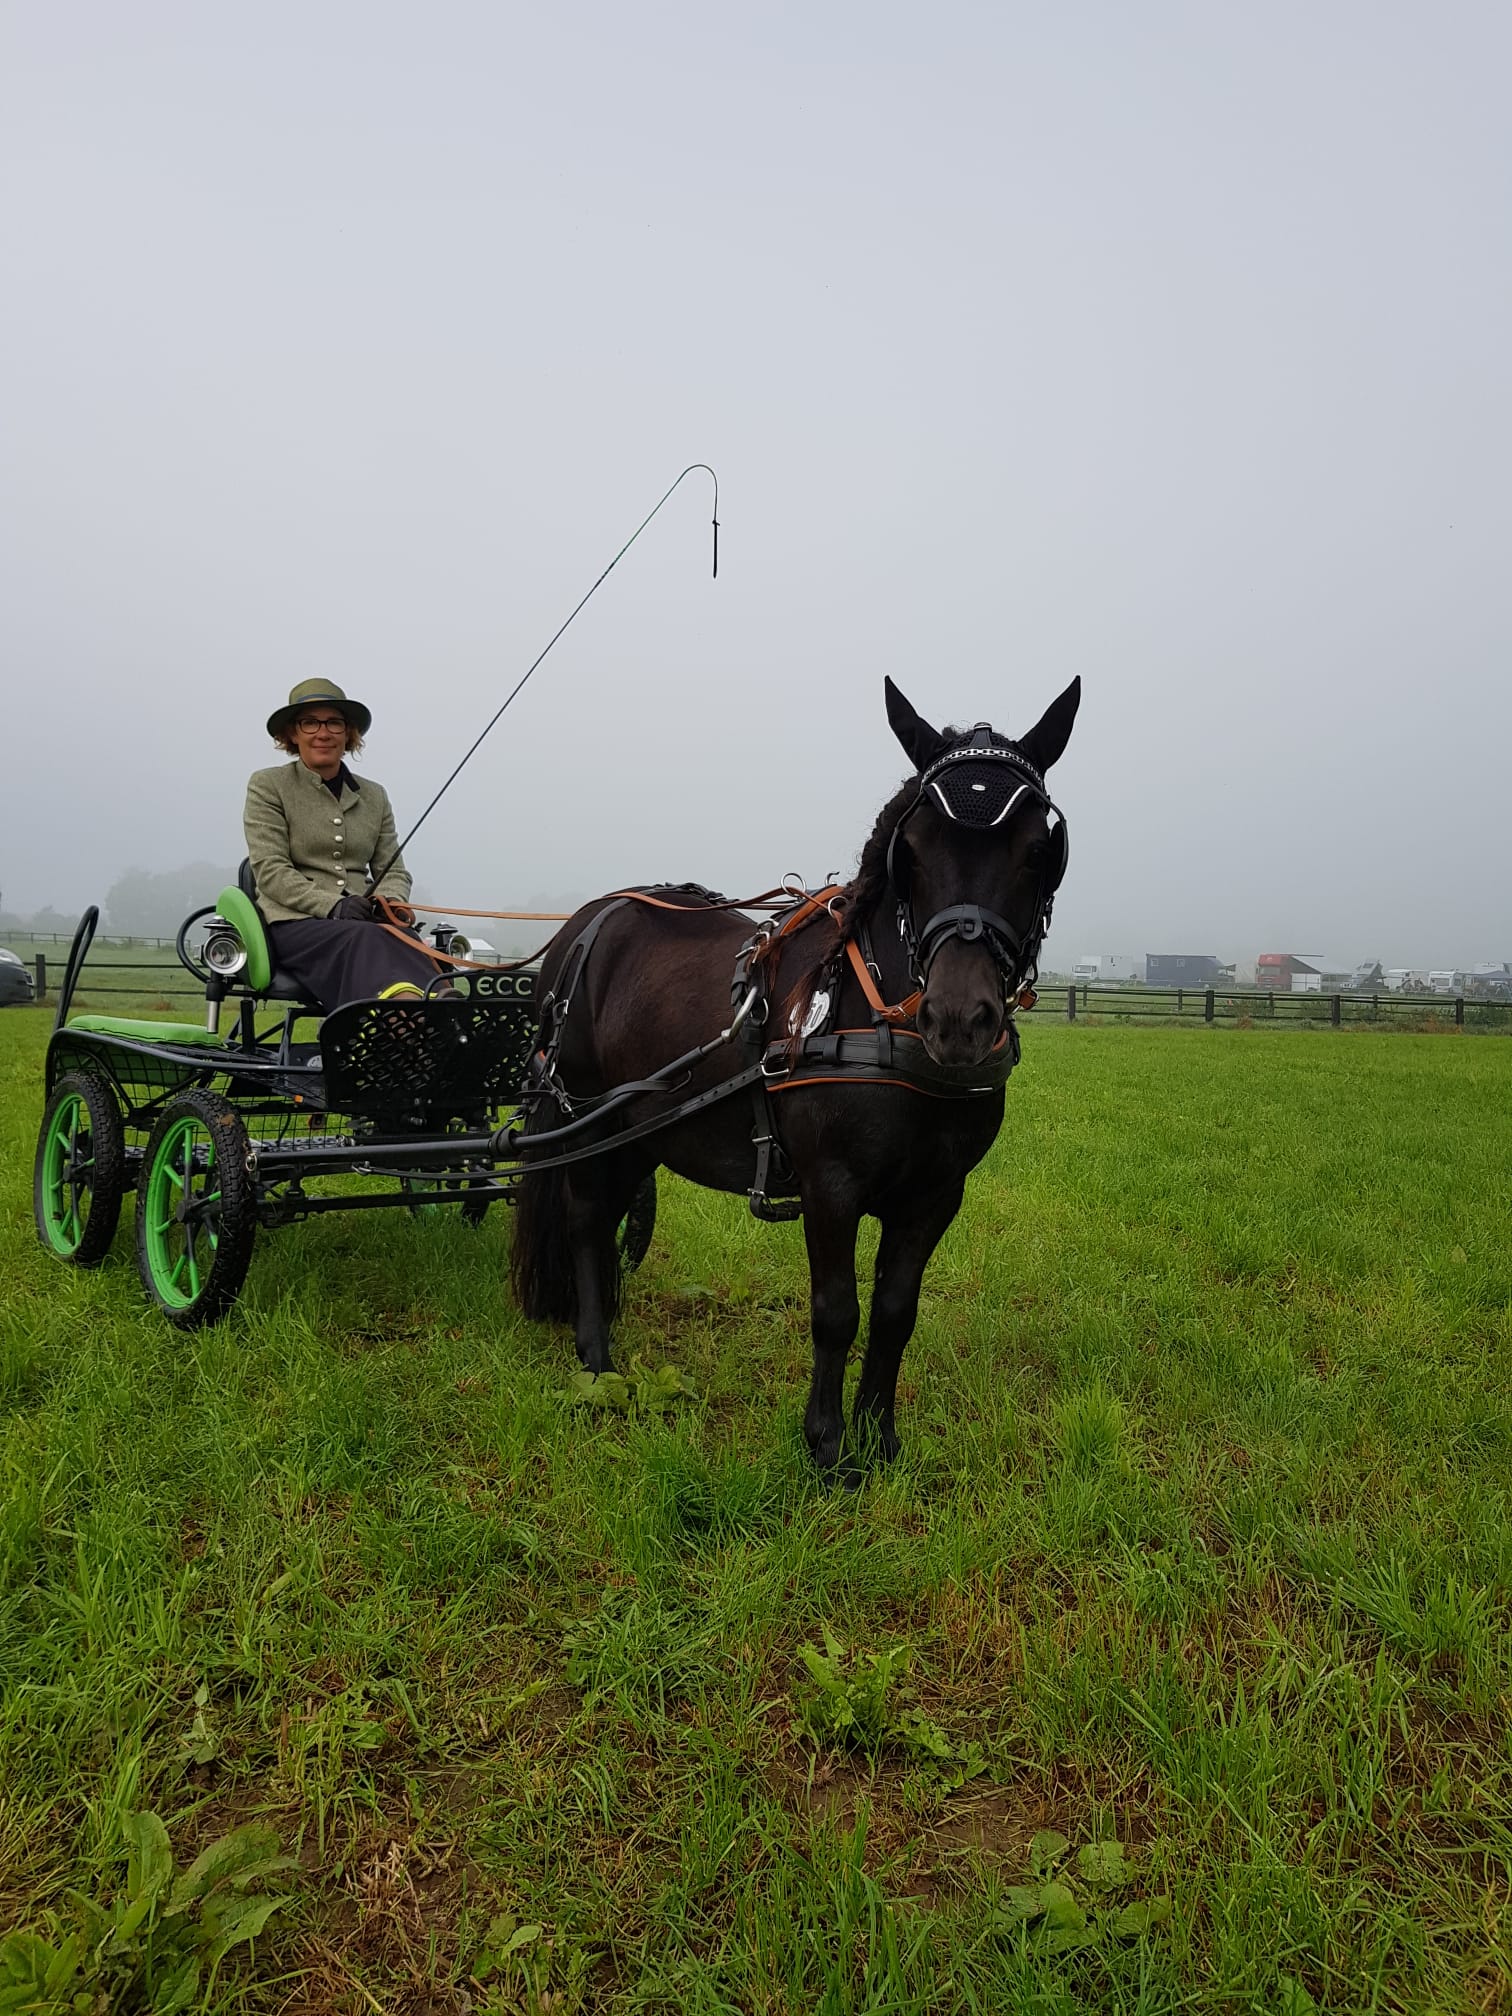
[146,905]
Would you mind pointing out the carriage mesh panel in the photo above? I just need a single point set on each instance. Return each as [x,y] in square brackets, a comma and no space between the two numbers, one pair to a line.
[387,1062]
[976,790]
[409,1060]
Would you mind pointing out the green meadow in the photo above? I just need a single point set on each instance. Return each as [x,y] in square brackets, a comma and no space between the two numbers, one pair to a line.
[1169,1669]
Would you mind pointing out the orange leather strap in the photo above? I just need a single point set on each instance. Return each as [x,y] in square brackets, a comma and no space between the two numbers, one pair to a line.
[896,1013]
[768,898]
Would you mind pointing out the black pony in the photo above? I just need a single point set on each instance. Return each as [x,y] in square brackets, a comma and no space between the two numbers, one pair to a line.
[874,1085]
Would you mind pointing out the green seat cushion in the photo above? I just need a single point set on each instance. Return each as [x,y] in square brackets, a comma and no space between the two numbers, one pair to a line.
[144,1032]
[240,912]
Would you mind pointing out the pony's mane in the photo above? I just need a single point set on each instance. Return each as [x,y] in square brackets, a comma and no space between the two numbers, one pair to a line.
[870,888]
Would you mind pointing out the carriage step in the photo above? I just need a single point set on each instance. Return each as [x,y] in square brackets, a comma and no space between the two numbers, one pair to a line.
[775,1210]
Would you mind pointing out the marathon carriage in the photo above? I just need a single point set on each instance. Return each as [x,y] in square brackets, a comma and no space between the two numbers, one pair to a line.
[240,1122]
[876,1019]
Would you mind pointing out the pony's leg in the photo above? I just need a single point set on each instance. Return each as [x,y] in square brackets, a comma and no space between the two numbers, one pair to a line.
[830,1225]
[903,1254]
[590,1230]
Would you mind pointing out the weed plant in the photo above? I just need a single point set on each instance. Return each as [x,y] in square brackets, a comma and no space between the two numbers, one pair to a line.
[1199,1550]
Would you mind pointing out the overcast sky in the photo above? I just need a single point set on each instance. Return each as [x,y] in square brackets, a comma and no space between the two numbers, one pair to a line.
[1167,345]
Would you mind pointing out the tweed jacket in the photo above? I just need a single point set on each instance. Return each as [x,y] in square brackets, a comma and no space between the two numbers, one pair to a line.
[308,849]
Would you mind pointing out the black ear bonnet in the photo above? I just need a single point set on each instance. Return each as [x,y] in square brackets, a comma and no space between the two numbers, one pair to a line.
[979,783]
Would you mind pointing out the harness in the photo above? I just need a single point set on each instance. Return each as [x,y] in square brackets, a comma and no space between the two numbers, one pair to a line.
[976,784]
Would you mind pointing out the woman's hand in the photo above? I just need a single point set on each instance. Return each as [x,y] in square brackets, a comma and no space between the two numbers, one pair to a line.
[354,909]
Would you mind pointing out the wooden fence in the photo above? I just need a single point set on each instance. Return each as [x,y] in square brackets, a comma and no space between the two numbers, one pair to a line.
[152,980]
[1251,1004]
[143,979]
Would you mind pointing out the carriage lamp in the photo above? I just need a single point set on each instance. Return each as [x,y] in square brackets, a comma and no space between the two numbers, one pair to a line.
[479,949]
[224,952]
[225,956]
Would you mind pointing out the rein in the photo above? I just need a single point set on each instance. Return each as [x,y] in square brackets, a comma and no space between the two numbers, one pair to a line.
[891,1052]
[885,1054]
[398,919]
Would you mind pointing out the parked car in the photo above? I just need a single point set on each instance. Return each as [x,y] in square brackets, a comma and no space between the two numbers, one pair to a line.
[15,980]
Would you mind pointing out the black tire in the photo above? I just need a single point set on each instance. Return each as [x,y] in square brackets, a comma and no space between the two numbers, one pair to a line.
[199,1148]
[80,1174]
[637,1225]
[475,1210]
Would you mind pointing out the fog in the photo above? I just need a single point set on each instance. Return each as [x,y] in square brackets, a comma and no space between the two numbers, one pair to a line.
[1166,346]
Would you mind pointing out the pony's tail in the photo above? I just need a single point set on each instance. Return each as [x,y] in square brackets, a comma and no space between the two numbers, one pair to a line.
[540,1257]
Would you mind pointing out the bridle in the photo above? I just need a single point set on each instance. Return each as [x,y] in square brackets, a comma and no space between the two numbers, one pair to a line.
[978,784]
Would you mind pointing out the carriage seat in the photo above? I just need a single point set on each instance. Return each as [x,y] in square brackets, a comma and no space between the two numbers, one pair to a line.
[238,906]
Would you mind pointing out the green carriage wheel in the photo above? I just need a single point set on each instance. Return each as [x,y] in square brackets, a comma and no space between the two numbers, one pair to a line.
[80,1174]
[196,1209]
[637,1225]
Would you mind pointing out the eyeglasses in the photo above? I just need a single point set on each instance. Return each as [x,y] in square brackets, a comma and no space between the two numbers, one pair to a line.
[311,724]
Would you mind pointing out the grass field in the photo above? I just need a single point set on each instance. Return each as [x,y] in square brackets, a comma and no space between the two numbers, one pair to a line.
[1200,1546]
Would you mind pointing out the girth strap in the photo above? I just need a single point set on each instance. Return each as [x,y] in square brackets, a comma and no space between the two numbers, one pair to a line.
[772,1165]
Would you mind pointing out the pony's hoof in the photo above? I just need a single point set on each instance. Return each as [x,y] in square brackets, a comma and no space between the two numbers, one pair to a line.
[875,1441]
[825,1450]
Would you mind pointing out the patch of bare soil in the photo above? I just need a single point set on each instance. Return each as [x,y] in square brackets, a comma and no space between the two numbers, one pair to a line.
[993,1825]
[387,1916]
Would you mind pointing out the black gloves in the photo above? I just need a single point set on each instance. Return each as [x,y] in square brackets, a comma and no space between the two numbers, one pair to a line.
[354,909]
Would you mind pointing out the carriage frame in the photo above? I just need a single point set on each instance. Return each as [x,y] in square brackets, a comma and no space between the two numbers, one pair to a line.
[220,1134]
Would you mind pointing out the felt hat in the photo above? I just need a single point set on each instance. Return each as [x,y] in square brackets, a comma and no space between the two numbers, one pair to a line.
[314,693]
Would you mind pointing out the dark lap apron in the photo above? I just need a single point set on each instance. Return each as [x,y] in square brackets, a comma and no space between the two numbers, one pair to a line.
[339,959]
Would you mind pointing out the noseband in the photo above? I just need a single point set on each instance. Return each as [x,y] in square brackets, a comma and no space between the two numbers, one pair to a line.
[977,784]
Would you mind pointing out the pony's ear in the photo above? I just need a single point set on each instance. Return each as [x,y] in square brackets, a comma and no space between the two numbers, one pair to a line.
[921,743]
[1046,741]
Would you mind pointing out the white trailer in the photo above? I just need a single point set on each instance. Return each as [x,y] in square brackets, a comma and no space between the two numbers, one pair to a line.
[1106,969]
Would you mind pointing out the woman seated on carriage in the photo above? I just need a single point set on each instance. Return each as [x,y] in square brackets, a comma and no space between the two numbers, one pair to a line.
[315,836]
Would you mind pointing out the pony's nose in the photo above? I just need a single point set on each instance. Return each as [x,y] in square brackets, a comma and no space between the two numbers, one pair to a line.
[958,1031]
